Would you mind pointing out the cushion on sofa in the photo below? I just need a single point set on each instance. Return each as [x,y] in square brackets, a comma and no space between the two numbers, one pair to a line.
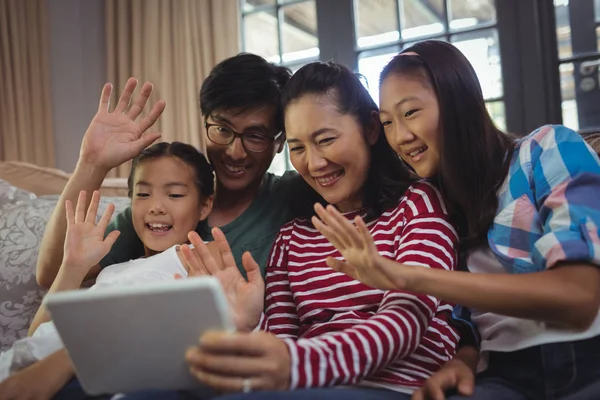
[23,219]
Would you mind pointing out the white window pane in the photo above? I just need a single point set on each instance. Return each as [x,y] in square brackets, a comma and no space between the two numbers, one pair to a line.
[376,22]
[299,31]
[261,36]
[422,18]
[497,112]
[482,49]
[569,102]
[468,13]
[249,5]
[370,68]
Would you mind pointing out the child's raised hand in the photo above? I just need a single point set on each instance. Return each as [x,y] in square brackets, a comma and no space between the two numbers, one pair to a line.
[245,297]
[355,243]
[85,244]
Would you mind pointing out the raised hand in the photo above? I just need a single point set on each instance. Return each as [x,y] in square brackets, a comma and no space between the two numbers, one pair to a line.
[85,244]
[355,243]
[245,297]
[115,137]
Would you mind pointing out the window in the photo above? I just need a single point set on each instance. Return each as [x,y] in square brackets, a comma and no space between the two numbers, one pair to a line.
[579,57]
[511,45]
[384,27]
[283,32]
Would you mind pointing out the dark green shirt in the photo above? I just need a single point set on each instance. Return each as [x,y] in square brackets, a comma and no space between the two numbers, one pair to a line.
[253,231]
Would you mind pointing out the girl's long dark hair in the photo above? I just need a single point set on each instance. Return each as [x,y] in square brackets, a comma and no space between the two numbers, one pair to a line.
[388,178]
[475,154]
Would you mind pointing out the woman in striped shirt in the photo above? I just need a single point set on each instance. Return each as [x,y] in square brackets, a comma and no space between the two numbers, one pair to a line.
[322,334]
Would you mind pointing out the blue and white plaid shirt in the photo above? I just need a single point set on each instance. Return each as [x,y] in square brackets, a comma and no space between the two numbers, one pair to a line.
[549,205]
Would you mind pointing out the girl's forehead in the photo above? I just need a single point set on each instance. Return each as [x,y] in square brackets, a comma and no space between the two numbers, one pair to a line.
[166,167]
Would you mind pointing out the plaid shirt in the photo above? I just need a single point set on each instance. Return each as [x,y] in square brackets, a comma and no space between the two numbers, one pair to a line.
[548,208]
[549,205]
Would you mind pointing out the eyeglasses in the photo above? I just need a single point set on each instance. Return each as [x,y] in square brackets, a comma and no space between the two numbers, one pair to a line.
[253,142]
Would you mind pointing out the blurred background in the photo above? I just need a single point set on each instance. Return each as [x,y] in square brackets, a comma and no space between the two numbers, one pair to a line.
[537,60]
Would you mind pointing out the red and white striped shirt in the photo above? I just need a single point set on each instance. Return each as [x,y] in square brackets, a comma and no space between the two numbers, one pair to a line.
[342,332]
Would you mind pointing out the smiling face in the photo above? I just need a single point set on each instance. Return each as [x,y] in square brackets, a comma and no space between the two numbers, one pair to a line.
[410,115]
[236,168]
[165,203]
[329,150]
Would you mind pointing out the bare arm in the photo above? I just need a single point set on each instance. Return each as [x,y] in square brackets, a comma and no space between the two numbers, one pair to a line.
[567,295]
[111,139]
[86,177]
[41,380]
[84,247]
[65,280]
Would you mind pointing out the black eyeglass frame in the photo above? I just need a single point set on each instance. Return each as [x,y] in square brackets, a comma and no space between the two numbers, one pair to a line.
[207,125]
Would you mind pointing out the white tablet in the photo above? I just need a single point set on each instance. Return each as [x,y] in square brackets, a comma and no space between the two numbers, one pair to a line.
[131,338]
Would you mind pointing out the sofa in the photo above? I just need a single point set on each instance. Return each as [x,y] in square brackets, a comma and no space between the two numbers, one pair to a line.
[24,214]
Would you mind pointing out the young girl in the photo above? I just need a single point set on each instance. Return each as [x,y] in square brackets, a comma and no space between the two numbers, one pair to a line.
[529,215]
[171,186]
[322,330]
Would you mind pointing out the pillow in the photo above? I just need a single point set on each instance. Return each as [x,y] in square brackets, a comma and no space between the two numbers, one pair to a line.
[23,219]
[12,194]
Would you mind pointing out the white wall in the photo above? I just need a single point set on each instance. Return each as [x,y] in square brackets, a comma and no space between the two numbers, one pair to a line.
[78,71]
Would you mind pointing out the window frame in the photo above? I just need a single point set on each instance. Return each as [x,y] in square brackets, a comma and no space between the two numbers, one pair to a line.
[528,51]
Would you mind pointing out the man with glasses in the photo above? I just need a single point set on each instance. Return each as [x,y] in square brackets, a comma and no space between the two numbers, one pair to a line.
[240,104]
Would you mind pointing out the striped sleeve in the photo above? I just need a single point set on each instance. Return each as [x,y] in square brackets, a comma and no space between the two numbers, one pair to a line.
[566,185]
[395,331]
[280,316]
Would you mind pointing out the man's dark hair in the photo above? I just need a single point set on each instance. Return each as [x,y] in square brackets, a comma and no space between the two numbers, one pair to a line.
[244,82]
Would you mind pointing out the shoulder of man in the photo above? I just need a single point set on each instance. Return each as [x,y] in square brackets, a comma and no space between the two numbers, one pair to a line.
[290,184]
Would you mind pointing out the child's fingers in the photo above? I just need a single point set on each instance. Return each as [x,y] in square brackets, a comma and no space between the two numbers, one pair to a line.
[69,212]
[194,264]
[80,207]
[111,238]
[93,208]
[202,254]
[105,220]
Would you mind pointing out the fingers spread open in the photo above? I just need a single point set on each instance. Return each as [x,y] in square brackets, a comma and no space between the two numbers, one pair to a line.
[224,249]
[105,220]
[125,98]
[140,102]
[90,216]
[194,263]
[69,212]
[80,207]
[151,118]
[105,98]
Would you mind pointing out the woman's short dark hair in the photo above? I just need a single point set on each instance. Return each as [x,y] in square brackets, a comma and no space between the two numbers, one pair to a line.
[203,172]
[244,82]
[388,178]
[475,154]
